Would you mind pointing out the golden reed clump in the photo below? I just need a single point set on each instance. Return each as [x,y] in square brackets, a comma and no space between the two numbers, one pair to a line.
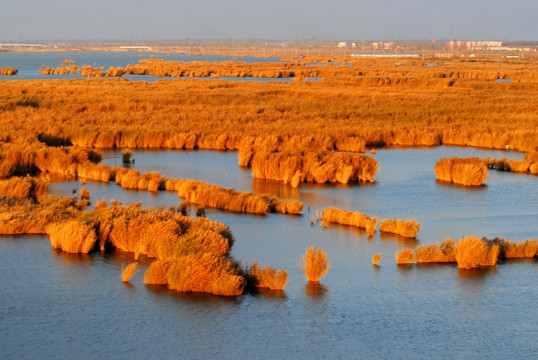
[295,167]
[511,250]
[23,188]
[528,165]
[8,71]
[472,252]
[195,251]
[405,256]
[72,237]
[376,259]
[19,216]
[406,228]
[357,219]
[267,277]
[437,253]
[464,171]
[315,263]
[128,272]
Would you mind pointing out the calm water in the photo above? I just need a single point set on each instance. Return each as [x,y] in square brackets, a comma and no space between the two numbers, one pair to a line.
[28,64]
[56,305]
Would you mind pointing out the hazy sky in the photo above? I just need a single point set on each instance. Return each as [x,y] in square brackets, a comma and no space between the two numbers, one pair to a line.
[26,20]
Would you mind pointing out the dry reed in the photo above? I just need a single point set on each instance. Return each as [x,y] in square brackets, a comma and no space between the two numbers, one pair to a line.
[128,272]
[315,263]
[405,256]
[472,252]
[437,253]
[357,219]
[376,259]
[464,171]
[267,277]
[406,228]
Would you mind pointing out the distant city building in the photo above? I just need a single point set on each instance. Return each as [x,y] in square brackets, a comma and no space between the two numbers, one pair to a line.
[472,45]
[382,45]
[342,44]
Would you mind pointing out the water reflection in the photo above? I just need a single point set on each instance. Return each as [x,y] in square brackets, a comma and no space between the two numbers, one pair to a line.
[400,240]
[316,290]
[475,276]
[275,188]
[270,294]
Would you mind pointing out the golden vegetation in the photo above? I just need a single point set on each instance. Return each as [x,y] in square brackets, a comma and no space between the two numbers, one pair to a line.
[470,252]
[128,272]
[437,253]
[405,228]
[376,259]
[295,167]
[353,218]
[267,277]
[405,256]
[315,263]
[23,188]
[464,171]
[528,165]
[8,71]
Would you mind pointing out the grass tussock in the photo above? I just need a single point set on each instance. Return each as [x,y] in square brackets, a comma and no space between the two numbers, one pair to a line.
[295,167]
[267,277]
[72,237]
[405,256]
[405,228]
[315,263]
[437,253]
[528,165]
[8,71]
[464,171]
[23,188]
[128,272]
[357,219]
[512,250]
[472,252]
[376,259]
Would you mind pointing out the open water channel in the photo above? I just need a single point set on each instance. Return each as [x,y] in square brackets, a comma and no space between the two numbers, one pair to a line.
[55,305]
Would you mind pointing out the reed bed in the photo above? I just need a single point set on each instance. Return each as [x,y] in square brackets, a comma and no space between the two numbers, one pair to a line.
[352,218]
[315,264]
[23,188]
[368,109]
[128,272]
[469,252]
[267,277]
[521,166]
[405,228]
[464,171]
[8,71]
[296,167]
[405,256]
[195,251]
[20,216]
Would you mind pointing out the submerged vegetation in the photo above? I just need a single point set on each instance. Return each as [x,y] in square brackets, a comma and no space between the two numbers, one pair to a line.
[357,219]
[405,228]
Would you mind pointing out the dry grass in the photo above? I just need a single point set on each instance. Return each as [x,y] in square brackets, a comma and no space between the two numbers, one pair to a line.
[511,250]
[128,272]
[437,253]
[405,256]
[527,165]
[323,166]
[464,171]
[8,71]
[406,228]
[267,277]
[376,259]
[472,252]
[357,219]
[315,263]
[72,237]
[23,188]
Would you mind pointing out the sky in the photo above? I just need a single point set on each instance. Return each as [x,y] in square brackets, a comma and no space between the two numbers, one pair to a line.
[343,20]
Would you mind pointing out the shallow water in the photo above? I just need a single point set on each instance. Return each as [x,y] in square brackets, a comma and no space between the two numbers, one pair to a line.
[58,305]
[28,64]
